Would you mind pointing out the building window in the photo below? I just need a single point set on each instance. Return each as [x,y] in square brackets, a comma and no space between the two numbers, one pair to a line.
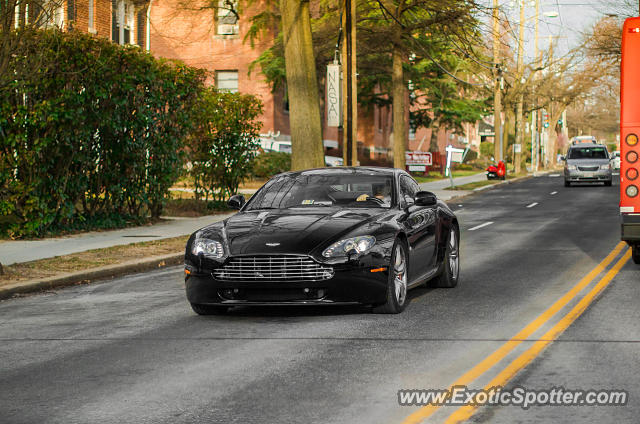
[227,81]
[71,12]
[379,114]
[52,14]
[91,17]
[122,21]
[227,22]
[140,29]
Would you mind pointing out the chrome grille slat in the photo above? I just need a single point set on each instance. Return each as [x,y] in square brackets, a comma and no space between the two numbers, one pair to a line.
[273,268]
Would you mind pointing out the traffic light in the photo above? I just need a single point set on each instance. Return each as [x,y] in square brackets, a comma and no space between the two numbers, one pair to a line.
[560,122]
[545,120]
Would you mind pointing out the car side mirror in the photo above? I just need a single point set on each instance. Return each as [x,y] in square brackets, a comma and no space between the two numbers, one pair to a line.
[563,158]
[236,202]
[426,198]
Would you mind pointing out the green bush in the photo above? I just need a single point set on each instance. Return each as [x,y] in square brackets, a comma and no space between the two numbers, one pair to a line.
[486,149]
[471,156]
[224,142]
[94,134]
[268,164]
[463,167]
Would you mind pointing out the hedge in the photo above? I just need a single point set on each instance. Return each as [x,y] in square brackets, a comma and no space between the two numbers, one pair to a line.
[89,130]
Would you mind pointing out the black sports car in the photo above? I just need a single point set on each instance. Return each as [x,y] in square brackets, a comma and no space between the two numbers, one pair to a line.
[325,237]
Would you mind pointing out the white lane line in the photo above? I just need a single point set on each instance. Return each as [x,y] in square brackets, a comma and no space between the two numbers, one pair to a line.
[532,205]
[554,175]
[480,226]
[554,192]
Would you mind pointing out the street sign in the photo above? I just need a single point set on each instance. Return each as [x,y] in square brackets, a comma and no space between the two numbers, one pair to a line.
[453,155]
[418,158]
[517,148]
[334,102]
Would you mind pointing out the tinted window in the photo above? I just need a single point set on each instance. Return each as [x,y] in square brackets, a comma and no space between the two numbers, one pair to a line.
[588,153]
[408,188]
[350,190]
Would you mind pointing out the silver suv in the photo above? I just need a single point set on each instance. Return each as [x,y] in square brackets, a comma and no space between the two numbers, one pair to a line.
[587,162]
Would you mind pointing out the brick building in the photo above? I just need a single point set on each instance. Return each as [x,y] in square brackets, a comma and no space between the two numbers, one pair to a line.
[214,40]
[123,21]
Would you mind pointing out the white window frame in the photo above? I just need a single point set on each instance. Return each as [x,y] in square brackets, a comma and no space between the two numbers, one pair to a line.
[219,78]
[224,25]
[91,20]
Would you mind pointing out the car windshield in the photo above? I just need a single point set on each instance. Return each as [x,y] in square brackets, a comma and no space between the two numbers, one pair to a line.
[588,153]
[316,190]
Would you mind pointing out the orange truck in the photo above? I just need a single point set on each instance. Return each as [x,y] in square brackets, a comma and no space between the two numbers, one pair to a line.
[630,136]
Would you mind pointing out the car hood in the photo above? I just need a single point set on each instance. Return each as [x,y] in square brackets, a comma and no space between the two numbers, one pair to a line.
[297,230]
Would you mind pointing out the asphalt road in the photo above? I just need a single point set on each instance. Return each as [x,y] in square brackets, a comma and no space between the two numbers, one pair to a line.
[131,350]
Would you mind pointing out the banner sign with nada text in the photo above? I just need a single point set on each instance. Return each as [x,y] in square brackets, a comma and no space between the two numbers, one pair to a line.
[334,98]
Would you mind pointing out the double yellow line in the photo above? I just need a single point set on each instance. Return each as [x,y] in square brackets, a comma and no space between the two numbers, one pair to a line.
[523,360]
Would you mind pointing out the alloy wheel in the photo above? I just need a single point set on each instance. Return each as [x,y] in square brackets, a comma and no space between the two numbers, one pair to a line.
[454,255]
[400,275]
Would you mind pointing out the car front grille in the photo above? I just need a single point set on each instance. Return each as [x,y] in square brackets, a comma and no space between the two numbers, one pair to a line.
[273,268]
[588,168]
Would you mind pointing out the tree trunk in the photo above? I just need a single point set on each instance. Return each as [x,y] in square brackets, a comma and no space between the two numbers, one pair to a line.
[302,86]
[553,145]
[399,127]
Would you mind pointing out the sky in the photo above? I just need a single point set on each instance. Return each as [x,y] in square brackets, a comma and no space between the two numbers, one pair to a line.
[575,18]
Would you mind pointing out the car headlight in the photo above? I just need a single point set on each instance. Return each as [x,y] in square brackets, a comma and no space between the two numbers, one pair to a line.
[605,167]
[207,247]
[359,244]
[572,167]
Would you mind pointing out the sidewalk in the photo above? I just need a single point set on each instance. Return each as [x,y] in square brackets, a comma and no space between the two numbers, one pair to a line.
[31,250]
[438,187]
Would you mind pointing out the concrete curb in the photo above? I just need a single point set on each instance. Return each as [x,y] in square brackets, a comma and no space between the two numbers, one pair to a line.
[101,273]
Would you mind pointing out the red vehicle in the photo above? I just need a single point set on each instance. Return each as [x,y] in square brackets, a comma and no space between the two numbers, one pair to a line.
[498,171]
[629,134]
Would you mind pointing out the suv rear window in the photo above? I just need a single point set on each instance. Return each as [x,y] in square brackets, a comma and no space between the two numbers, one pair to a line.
[588,153]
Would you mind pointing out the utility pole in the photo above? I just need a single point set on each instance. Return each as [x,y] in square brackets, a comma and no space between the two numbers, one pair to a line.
[519,108]
[497,93]
[547,147]
[350,102]
[535,135]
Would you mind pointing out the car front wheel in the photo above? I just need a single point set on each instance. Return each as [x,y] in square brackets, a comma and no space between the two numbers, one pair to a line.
[397,287]
[635,253]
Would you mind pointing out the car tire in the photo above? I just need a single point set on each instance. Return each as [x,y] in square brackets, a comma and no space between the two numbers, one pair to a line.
[608,183]
[635,253]
[450,272]
[209,309]
[567,183]
[398,285]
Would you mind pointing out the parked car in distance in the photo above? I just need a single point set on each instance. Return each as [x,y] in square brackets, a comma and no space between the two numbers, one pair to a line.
[615,159]
[587,162]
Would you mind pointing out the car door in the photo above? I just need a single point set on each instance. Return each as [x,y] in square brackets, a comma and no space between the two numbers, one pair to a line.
[420,226]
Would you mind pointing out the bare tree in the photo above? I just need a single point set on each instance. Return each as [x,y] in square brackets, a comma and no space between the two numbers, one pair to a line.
[18,17]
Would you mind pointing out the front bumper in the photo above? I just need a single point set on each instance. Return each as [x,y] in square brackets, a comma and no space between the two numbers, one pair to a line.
[352,283]
[587,176]
[630,227]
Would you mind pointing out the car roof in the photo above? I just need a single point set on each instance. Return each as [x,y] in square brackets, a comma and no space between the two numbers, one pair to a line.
[361,170]
[586,145]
